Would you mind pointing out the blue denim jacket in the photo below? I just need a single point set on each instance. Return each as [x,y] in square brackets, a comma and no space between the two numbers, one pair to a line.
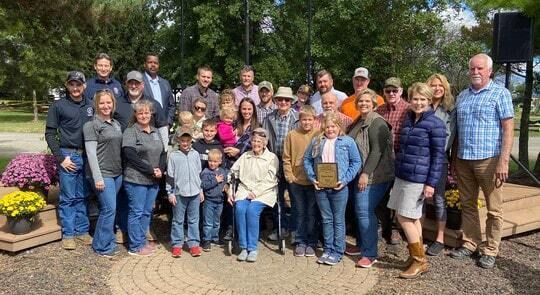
[347,158]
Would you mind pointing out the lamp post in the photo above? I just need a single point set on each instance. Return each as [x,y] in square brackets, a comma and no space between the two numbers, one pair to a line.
[309,66]
[182,33]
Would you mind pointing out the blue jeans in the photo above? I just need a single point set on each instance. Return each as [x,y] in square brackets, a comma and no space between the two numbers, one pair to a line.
[247,214]
[104,239]
[211,218]
[332,205]
[122,210]
[185,206]
[141,200]
[306,211]
[365,204]
[72,206]
[439,200]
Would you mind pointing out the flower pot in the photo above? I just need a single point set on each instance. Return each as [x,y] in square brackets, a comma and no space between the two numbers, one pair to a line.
[453,220]
[19,226]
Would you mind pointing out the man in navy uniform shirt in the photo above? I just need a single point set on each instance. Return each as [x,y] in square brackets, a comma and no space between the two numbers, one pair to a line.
[103,80]
[64,136]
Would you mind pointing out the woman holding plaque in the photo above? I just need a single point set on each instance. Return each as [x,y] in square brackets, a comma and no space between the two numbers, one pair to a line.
[374,140]
[331,161]
[419,162]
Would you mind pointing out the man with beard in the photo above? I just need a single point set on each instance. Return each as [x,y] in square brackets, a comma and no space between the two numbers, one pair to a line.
[201,89]
[159,89]
[325,84]
[267,105]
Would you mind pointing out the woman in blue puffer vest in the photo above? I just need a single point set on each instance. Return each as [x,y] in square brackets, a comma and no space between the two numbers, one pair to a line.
[419,162]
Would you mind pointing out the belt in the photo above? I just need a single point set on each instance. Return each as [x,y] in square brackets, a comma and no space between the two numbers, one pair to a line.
[78,151]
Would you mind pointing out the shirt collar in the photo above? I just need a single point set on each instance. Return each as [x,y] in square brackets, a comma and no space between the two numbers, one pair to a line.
[150,77]
[486,88]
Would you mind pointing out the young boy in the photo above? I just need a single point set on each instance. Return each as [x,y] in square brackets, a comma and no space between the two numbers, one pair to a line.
[185,194]
[300,187]
[208,141]
[213,183]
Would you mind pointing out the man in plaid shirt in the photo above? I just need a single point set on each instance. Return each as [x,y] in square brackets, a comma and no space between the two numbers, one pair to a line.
[278,124]
[395,108]
[201,89]
[393,111]
[485,128]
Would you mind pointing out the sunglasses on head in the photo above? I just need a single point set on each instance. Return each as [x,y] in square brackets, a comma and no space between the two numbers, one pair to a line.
[106,90]
[259,133]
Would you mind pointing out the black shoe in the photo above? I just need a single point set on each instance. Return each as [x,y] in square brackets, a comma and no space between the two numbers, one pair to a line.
[228,234]
[435,248]
[218,243]
[206,246]
[486,261]
[461,253]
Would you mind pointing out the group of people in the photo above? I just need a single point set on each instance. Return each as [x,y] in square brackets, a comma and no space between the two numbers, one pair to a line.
[244,148]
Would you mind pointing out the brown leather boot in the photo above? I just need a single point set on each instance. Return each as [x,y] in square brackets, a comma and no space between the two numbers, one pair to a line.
[410,260]
[419,265]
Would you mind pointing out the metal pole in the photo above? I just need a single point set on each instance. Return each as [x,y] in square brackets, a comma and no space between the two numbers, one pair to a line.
[247,32]
[182,43]
[309,77]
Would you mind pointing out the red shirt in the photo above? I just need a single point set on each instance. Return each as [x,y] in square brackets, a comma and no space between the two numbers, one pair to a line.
[394,115]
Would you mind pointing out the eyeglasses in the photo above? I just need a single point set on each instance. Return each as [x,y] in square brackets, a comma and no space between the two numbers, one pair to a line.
[201,109]
[388,91]
[259,133]
[282,99]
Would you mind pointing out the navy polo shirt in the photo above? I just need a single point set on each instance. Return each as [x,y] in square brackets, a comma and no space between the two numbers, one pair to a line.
[124,112]
[95,84]
[68,117]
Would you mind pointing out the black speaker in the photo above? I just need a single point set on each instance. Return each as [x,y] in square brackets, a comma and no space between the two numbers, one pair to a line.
[512,37]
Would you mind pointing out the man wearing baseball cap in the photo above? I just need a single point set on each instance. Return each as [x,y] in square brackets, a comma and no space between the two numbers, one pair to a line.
[360,81]
[66,118]
[267,105]
[393,111]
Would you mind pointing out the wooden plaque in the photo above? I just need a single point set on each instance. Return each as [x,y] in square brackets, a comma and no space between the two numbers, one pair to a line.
[327,175]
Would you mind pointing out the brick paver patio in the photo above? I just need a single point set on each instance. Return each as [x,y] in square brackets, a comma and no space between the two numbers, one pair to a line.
[216,273]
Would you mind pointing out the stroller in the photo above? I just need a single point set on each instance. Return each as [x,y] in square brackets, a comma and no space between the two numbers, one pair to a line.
[232,244]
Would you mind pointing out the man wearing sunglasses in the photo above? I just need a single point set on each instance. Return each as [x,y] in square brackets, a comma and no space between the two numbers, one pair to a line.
[278,124]
[393,111]
[201,89]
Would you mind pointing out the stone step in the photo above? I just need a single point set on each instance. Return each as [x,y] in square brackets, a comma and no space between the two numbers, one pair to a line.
[43,231]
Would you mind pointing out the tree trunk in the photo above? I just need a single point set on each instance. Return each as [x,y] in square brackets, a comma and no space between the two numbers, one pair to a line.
[525,114]
[34,105]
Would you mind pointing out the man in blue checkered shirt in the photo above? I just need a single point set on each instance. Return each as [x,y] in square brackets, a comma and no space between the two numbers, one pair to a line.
[485,135]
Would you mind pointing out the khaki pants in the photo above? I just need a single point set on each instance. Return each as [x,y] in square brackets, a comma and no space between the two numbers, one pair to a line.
[473,175]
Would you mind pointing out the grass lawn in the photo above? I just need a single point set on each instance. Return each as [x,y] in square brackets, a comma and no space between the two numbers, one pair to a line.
[513,167]
[4,160]
[21,121]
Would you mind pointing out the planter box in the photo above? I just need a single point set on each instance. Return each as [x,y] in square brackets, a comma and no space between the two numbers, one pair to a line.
[47,229]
